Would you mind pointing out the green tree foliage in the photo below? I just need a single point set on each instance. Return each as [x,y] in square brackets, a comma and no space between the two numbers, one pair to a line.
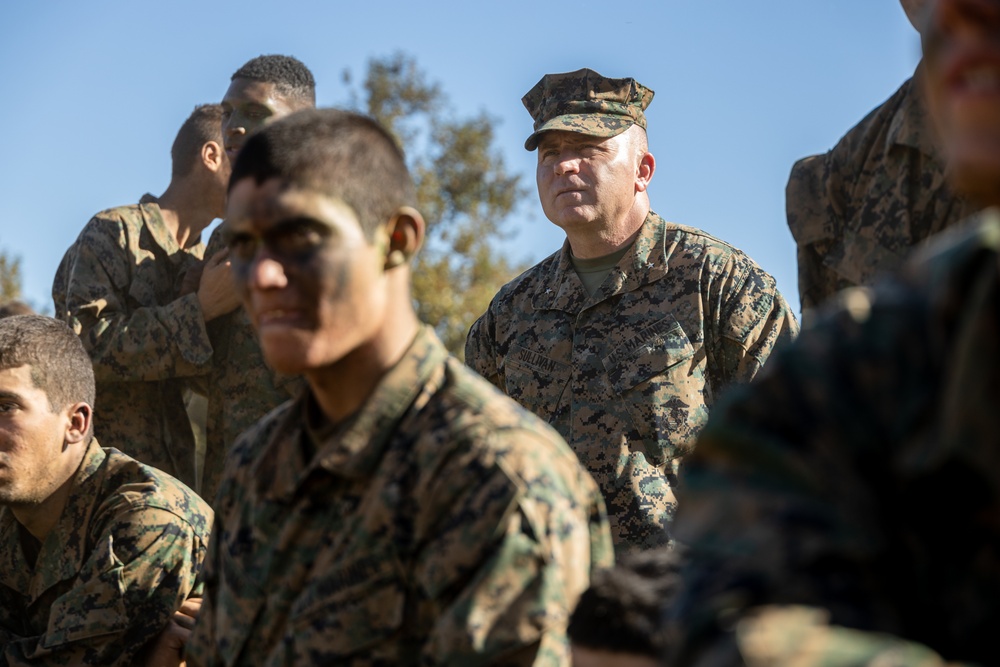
[10,277]
[463,190]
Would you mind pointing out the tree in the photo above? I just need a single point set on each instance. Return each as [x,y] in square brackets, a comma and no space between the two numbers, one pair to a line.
[10,277]
[463,190]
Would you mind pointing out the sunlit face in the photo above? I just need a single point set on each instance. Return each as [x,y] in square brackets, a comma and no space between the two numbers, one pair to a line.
[249,105]
[962,69]
[585,180]
[313,286]
[34,462]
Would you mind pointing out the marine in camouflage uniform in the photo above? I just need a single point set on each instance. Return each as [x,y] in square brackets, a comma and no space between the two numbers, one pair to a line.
[117,288]
[444,525]
[97,551]
[627,373]
[858,473]
[127,550]
[241,388]
[858,210]
[400,511]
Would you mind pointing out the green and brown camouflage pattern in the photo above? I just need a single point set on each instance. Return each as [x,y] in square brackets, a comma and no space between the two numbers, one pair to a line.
[860,472]
[117,288]
[125,553]
[857,211]
[586,102]
[441,525]
[627,376]
[240,386]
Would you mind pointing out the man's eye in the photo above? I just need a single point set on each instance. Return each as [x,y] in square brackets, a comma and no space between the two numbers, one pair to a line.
[296,242]
[7,406]
[243,248]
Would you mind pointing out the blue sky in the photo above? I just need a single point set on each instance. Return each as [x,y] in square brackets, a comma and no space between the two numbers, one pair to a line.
[94,93]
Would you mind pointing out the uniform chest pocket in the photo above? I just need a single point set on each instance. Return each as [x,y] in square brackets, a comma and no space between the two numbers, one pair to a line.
[658,378]
[94,606]
[534,380]
[345,611]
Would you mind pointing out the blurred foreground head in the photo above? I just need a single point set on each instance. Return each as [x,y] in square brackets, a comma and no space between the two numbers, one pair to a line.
[320,230]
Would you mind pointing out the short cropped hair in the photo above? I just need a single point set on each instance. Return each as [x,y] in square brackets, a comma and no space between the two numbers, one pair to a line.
[622,611]
[14,307]
[203,125]
[289,75]
[340,154]
[59,364]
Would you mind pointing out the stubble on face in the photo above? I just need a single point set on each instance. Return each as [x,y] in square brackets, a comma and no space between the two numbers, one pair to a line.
[33,459]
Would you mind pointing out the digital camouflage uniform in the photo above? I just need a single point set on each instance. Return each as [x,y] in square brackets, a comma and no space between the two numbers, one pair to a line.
[860,472]
[627,376]
[117,288]
[241,387]
[126,552]
[858,210]
[441,525]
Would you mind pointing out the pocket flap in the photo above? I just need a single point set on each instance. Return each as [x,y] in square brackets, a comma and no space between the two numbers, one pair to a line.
[647,354]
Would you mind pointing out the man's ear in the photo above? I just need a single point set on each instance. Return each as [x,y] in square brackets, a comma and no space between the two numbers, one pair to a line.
[81,416]
[644,172]
[405,230]
[213,156]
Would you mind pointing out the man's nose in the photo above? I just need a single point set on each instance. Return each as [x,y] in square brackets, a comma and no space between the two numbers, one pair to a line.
[266,272]
[567,165]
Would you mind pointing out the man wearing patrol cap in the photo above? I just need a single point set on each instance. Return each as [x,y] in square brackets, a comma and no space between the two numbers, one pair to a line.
[623,338]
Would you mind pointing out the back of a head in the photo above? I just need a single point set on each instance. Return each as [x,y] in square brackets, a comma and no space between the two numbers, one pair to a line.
[622,610]
[289,75]
[340,154]
[15,307]
[59,363]
[203,125]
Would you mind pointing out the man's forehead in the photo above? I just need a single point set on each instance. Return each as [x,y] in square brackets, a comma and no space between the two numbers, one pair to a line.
[16,376]
[276,199]
[566,137]
[252,90]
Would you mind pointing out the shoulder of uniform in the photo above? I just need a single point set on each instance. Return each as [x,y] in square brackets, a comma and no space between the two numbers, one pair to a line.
[700,244]
[482,418]
[136,486]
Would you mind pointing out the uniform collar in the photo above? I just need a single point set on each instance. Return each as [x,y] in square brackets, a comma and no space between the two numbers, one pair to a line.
[561,289]
[910,125]
[65,548]
[149,206]
[353,451]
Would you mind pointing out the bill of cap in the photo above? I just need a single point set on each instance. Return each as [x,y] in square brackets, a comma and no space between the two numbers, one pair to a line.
[595,125]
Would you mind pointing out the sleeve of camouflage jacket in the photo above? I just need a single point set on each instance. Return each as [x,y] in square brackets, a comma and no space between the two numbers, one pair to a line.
[480,348]
[125,344]
[751,319]
[146,564]
[508,555]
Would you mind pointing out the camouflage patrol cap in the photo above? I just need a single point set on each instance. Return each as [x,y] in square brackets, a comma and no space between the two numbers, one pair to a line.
[586,102]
